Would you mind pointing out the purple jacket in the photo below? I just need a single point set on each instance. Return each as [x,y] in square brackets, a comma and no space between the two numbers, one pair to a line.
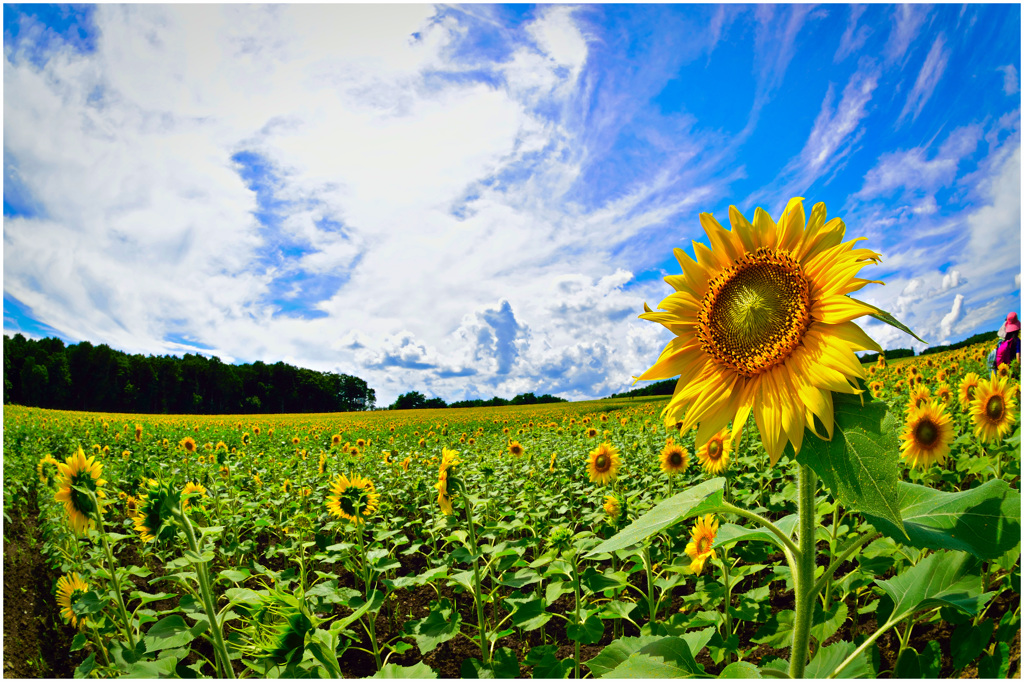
[1007,351]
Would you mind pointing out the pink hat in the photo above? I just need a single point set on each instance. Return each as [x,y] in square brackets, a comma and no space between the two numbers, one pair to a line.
[1012,323]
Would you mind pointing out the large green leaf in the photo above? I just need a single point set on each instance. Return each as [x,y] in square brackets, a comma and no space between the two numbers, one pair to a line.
[417,671]
[984,521]
[860,464]
[883,316]
[730,533]
[700,498]
[829,657]
[172,632]
[651,656]
[740,670]
[440,625]
[940,579]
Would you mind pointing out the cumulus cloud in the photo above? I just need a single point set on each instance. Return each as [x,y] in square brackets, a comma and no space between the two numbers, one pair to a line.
[951,318]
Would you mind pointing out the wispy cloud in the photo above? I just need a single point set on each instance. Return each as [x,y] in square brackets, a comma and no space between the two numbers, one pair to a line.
[907,21]
[854,36]
[1011,79]
[929,76]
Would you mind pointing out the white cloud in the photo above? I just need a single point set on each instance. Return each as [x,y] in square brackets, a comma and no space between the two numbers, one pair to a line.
[951,318]
[854,36]
[907,22]
[1011,80]
[912,169]
[931,71]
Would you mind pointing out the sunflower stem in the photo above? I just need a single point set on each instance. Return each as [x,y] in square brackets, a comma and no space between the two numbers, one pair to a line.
[478,589]
[804,577]
[757,518]
[208,603]
[112,567]
[371,617]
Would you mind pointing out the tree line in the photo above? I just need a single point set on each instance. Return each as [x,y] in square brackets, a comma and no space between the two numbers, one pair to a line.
[414,400]
[46,373]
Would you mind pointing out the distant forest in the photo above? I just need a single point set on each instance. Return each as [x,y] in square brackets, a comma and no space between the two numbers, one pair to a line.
[414,400]
[46,373]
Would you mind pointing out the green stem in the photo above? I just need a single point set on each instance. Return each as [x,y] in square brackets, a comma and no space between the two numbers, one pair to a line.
[112,567]
[826,577]
[651,606]
[757,518]
[478,589]
[804,577]
[576,619]
[208,603]
[728,596]
[371,616]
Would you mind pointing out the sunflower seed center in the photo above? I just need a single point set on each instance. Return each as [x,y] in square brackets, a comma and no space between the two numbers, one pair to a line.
[755,313]
[994,408]
[926,433]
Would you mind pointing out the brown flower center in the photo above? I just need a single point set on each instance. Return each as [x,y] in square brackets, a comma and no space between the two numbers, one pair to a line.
[676,459]
[994,408]
[755,313]
[714,449]
[926,433]
[602,463]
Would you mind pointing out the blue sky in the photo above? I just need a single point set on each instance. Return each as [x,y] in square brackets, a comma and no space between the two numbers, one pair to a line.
[477,200]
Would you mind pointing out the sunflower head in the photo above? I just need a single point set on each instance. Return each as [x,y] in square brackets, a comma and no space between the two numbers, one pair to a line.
[674,458]
[714,454]
[968,385]
[69,588]
[154,518]
[614,508]
[992,409]
[191,490]
[702,537]
[189,444]
[763,324]
[603,464]
[78,474]
[47,470]
[353,498]
[926,435]
[515,448]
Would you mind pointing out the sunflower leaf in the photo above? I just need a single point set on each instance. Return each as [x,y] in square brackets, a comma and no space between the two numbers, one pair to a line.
[883,316]
[706,496]
[859,465]
[984,521]
[940,579]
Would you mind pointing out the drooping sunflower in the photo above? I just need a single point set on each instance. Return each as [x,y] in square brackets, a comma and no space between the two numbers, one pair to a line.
[444,499]
[153,512]
[138,433]
[69,588]
[82,472]
[353,498]
[968,385]
[926,435]
[992,409]
[674,459]
[763,324]
[612,507]
[603,464]
[702,537]
[714,454]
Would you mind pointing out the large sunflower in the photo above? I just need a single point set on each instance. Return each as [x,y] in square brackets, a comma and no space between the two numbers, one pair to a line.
[69,588]
[674,458]
[603,464]
[699,549]
[926,435]
[763,324]
[992,409]
[714,455]
[82,472]
[352,498]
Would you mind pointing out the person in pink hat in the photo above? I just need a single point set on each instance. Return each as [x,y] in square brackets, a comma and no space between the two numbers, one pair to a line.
[1009,349]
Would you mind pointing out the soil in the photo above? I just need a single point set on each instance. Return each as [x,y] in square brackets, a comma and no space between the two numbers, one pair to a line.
[37,642]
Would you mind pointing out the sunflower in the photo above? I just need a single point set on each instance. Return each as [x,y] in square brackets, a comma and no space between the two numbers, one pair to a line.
[926,435]
[188,443]
[763,324]
[335,440]
[138,433]
[69,588]
[352,498]
[612,507]
[674,458]
[444,499]
[591,432]
[405,463]
[153,513]
[360,443]
[992,409]
[968,385]
[714,455]
[702,538]
[551,467]
[47,468]
[943,393]
[225,471]
[295,440]
[192,489]
[919,395]
[514,448]
[79,471]
[603,464]
[876,388]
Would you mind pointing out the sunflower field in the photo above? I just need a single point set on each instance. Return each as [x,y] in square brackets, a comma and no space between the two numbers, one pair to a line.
[788,512]
[471,543]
